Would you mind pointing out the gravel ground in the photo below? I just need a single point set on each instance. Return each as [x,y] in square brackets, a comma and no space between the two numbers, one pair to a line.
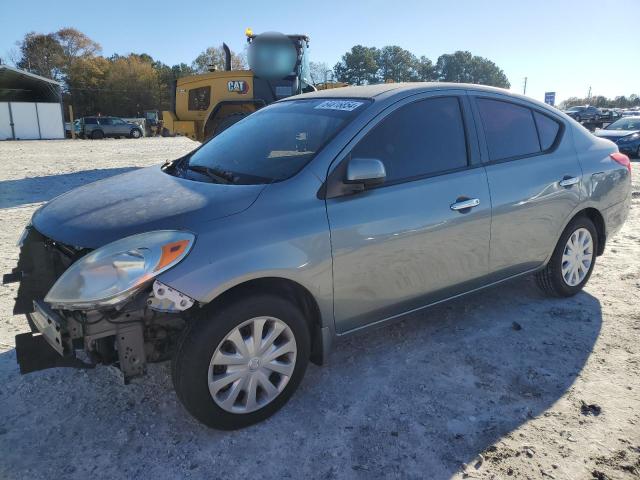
[502,384]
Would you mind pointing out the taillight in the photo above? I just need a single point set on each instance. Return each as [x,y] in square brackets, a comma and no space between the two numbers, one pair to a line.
[622,159]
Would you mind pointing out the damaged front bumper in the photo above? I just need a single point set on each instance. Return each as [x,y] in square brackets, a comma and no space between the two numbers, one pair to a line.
[143,329]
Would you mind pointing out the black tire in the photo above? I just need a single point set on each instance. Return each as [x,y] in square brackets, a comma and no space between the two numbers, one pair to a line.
[97,134]
[199,341]
[135,133]
[225,123]
[550,279]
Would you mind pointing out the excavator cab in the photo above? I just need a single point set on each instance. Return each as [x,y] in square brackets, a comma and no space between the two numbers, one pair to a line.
[208,103]
[280,64]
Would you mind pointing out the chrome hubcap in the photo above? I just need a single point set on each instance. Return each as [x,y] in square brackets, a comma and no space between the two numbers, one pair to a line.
[252,365]
[577,257]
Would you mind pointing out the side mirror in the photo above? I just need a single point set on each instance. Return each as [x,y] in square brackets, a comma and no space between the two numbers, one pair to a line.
[365,172]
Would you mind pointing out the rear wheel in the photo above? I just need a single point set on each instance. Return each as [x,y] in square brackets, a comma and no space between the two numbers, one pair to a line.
[239,364]
[97,134]
[572,261]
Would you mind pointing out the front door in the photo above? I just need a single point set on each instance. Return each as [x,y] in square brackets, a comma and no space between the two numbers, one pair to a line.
[407,242]
[120,127]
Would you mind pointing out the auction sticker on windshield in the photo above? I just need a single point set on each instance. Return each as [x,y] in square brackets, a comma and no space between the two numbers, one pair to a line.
[344,105]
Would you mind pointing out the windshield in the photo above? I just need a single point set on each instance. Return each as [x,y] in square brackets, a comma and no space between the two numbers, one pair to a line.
[274,143]
[575,109]
[625,124]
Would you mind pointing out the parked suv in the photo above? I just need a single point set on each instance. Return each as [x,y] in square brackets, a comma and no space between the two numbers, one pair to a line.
[313,218]
[100,127]
[586,113]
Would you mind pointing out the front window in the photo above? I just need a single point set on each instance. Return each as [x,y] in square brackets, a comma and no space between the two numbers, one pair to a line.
[576,109]
[272,144]
[625,124]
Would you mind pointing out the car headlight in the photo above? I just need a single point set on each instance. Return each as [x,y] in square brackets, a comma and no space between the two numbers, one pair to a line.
[113,273]
[630,138]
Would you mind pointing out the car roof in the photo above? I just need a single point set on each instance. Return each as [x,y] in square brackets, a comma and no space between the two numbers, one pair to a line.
[385,91]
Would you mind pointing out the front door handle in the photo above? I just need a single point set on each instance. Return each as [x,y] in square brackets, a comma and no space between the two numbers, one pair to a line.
[465,204]
[568,181]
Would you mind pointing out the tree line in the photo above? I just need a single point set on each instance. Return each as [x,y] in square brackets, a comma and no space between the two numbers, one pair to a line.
[600,101]
[126,85]
[366,65]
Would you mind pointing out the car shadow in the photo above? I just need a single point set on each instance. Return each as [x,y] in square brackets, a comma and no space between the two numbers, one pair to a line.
[415,399]
[14,193]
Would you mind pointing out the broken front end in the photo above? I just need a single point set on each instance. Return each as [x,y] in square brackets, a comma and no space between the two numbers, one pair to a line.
[106,301]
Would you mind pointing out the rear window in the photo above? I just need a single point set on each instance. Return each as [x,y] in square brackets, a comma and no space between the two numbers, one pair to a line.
[509,129]
[548,130]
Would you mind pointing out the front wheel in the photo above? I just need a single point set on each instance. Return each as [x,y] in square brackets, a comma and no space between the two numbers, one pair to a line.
[239,364]
[135,133]
[572,261]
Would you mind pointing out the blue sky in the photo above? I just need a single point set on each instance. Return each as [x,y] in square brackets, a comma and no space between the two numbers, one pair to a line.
[560,45]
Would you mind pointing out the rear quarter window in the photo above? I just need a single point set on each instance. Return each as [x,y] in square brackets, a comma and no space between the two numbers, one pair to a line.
[509,129]
[548,130]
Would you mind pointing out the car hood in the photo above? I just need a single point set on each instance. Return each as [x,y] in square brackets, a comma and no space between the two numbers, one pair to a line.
[614,133]
[139,201]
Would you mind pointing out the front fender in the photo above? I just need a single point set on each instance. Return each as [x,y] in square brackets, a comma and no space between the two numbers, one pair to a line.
[282,235]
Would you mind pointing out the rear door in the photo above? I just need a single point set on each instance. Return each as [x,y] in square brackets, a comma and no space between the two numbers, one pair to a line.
[402,245]
[534,178]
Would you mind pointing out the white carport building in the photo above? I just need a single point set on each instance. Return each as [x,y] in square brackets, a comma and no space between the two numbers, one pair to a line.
[30,106]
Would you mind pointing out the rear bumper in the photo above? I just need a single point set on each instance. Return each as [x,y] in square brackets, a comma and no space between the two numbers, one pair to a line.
[615,216]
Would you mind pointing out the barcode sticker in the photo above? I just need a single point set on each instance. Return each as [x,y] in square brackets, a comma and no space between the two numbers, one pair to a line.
[344,105]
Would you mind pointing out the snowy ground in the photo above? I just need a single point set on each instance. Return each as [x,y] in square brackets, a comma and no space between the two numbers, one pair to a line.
[502,384]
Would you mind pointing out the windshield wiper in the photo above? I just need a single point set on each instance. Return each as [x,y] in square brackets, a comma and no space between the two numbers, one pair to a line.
[219,176]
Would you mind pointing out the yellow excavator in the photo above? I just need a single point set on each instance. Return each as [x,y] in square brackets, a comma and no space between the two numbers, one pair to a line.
[208,103]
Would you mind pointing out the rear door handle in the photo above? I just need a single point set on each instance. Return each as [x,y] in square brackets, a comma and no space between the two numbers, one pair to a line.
[568,181]
[465,204]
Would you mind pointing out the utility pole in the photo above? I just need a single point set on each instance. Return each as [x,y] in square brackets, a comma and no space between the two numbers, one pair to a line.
[524,92]
[71,125]
[589,94]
